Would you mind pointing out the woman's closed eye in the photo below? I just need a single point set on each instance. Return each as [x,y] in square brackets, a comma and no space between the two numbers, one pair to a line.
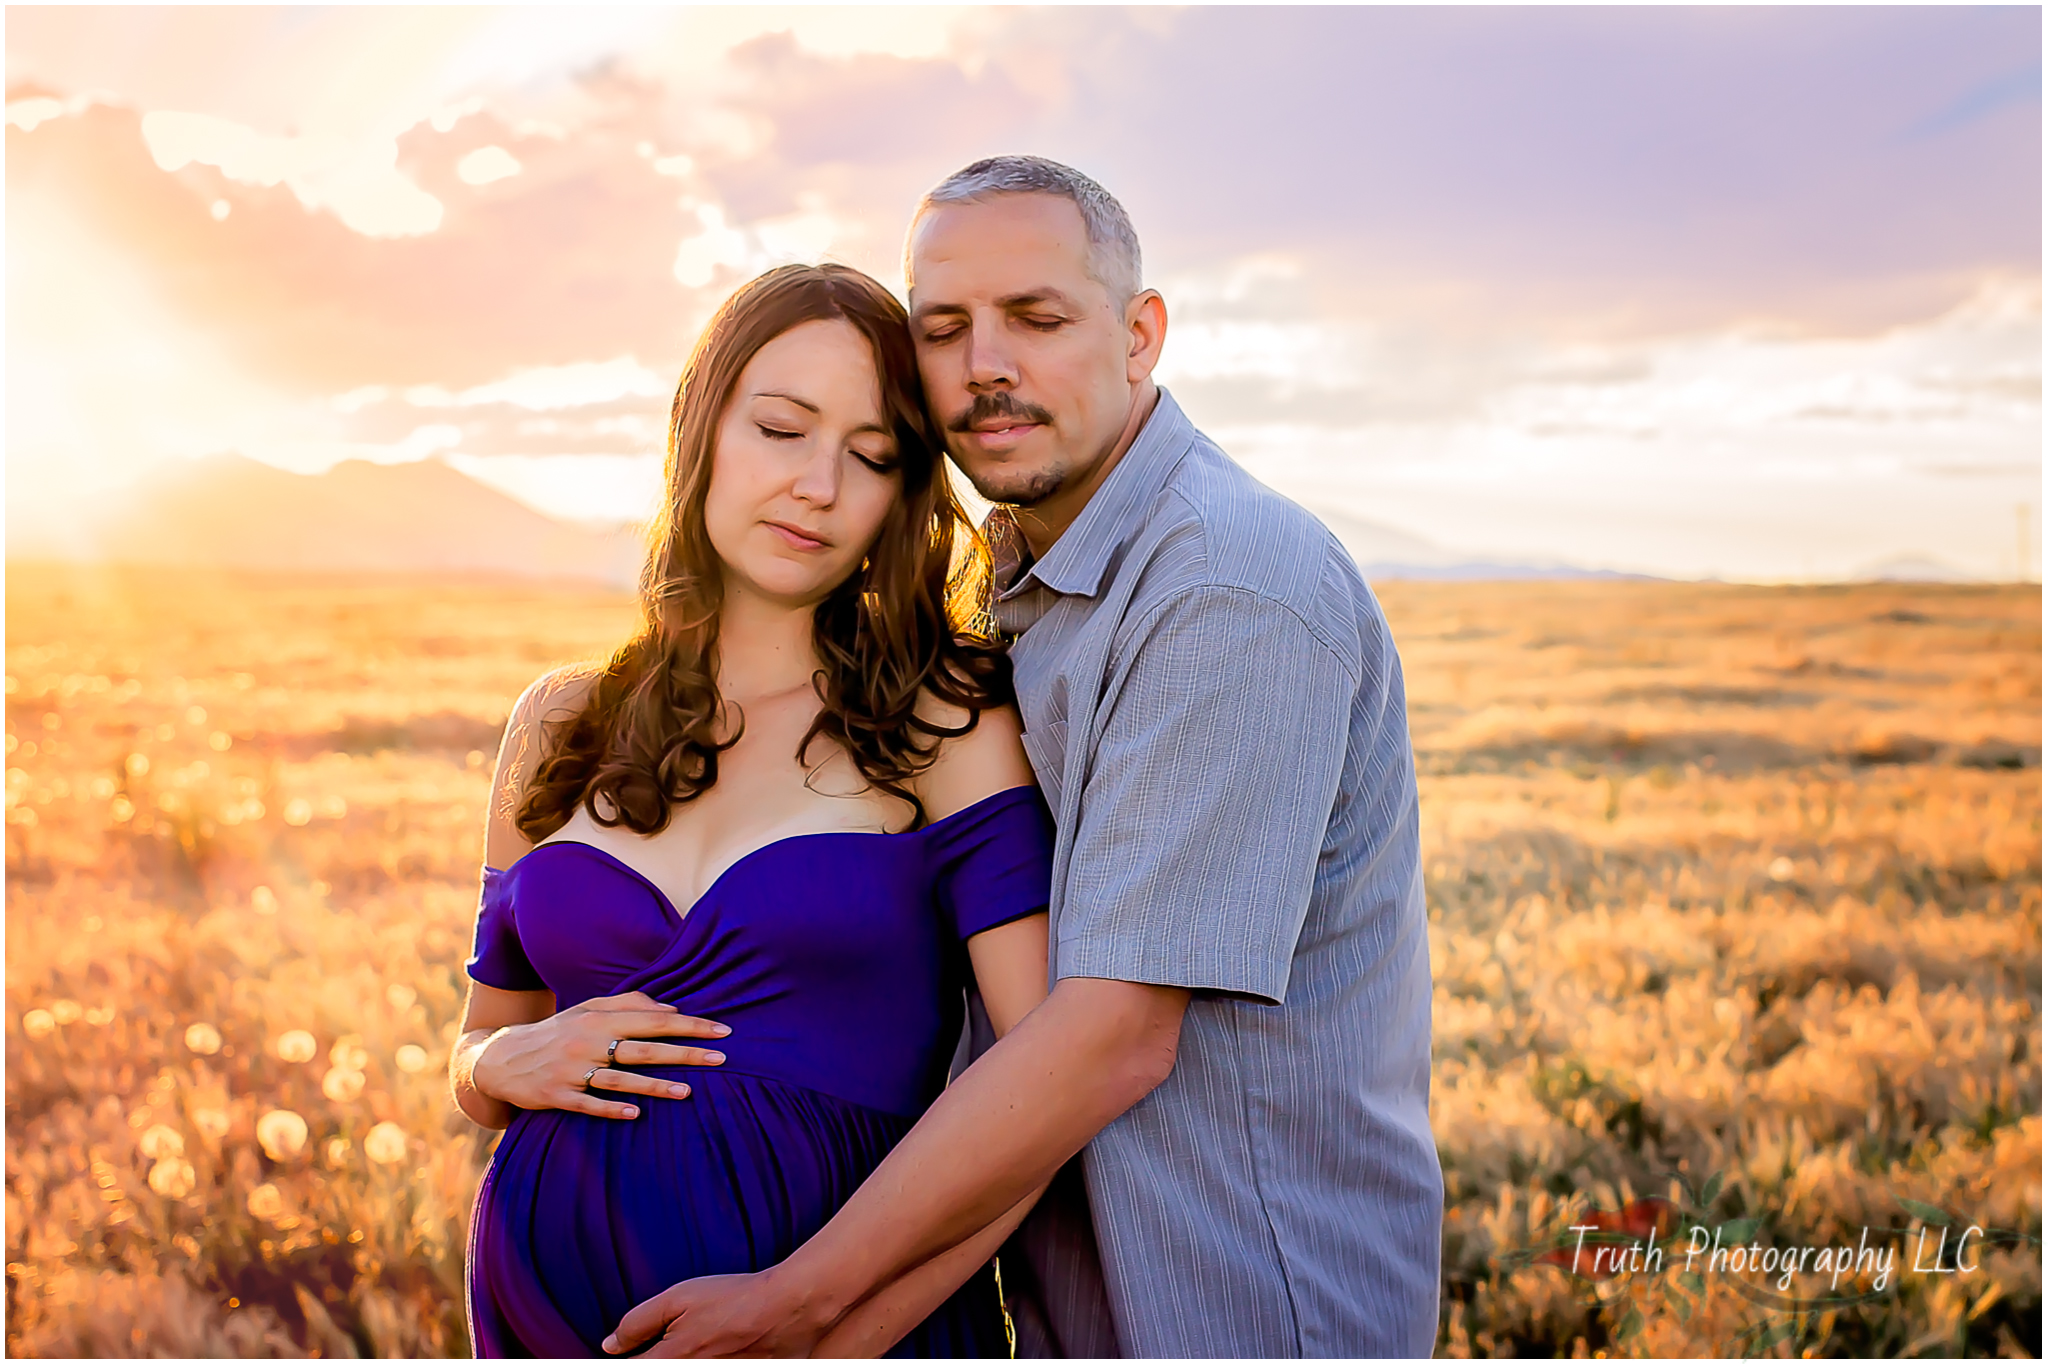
[777,433]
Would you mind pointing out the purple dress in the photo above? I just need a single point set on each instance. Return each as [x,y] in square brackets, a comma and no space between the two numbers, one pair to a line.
[838,960]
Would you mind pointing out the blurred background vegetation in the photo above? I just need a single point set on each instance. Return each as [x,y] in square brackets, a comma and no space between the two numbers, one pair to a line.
[1727,884]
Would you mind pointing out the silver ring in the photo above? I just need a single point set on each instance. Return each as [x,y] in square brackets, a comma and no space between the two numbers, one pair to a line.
[611,1053]
[592,1076]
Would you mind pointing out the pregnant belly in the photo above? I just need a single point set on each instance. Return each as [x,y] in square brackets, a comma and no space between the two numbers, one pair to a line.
[581,1218]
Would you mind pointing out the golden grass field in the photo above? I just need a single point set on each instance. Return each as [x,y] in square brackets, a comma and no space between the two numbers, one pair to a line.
[1723,881]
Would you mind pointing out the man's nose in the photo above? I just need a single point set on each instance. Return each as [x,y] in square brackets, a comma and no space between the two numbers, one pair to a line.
[989,363]
[817,479]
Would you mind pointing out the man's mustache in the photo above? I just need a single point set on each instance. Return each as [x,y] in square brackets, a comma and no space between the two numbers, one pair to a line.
[988,407]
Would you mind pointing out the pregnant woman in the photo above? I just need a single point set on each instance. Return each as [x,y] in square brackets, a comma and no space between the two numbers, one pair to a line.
[737,877]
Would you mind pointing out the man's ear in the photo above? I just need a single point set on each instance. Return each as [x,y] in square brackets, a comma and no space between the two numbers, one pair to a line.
[1145,316]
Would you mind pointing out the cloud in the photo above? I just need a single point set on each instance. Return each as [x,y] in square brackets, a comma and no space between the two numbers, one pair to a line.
[1737,451]
[570,259]
[1407,253]
[26,113]
[486,164]
[1974,371]
[360,181]
[551,387]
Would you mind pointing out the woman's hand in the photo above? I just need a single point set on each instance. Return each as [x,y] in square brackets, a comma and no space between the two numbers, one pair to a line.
[565,1060]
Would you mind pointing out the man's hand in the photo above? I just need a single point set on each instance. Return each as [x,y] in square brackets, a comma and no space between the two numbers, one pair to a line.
[994,1137]
[722,1316]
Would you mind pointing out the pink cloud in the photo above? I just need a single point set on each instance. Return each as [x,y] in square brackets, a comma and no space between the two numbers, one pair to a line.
[568,260]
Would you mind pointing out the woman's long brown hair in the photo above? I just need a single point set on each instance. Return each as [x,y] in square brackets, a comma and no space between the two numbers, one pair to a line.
[914,620]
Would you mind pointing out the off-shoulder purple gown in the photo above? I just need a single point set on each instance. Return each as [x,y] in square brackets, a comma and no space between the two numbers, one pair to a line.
[838,961]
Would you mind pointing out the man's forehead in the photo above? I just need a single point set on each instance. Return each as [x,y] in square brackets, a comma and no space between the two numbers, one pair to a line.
[1006,245]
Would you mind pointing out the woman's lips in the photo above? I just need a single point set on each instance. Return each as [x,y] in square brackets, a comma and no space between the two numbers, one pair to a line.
[794,538]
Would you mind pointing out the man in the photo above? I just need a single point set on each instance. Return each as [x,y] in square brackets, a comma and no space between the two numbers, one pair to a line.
[1238,1026]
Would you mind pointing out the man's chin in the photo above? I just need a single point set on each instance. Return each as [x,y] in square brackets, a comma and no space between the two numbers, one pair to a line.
[1018,487]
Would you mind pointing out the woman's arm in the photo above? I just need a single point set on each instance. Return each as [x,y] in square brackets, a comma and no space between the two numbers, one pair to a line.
[1009,968]
[516,1051]
[488,1009]
[487,1012]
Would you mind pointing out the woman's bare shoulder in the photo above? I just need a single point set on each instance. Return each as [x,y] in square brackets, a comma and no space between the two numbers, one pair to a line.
[974,766]
[557,694]
[554,696]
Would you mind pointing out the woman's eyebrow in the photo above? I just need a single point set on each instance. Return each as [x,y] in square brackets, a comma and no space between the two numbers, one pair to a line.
[815,411]
[806,405]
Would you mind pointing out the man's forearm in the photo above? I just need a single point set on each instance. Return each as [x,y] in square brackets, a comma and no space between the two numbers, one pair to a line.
[1000,1131]
[891,1311]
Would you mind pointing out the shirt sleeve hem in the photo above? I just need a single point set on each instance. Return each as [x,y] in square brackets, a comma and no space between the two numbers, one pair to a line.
[1204,978]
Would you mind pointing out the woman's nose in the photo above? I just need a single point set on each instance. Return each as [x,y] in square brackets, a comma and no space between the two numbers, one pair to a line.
[817,479]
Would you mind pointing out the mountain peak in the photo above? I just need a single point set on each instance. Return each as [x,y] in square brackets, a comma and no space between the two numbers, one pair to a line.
[229,511]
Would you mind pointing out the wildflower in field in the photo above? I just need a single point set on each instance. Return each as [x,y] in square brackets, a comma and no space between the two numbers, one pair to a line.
[296,1046]
[172,1177]
[337,1152]
[202,1038]
[349,1053]
[38,1023]
[281,1133]
[265,1202]
[213,1123]
[66,1011]
[400,995]
[342,1085]
[298,813]
[262,899]
[100,1017]
[386,1143]
[161,1142]
[412,1059]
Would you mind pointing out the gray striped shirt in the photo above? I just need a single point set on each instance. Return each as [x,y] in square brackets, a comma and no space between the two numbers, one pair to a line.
[1213,706]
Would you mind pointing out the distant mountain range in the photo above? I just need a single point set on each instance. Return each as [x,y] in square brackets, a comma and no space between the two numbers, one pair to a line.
[1383,552]
[226,511]
[1913,568]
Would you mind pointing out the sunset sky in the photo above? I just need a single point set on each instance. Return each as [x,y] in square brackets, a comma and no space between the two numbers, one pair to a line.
[1744,292]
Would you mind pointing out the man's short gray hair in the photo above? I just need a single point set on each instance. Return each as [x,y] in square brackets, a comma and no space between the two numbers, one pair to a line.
[1113,258]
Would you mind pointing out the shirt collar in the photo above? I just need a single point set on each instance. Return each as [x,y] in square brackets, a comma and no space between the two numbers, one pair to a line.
[1077,560]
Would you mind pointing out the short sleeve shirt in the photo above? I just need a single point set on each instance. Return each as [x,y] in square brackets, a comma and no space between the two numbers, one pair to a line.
[1213,707]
